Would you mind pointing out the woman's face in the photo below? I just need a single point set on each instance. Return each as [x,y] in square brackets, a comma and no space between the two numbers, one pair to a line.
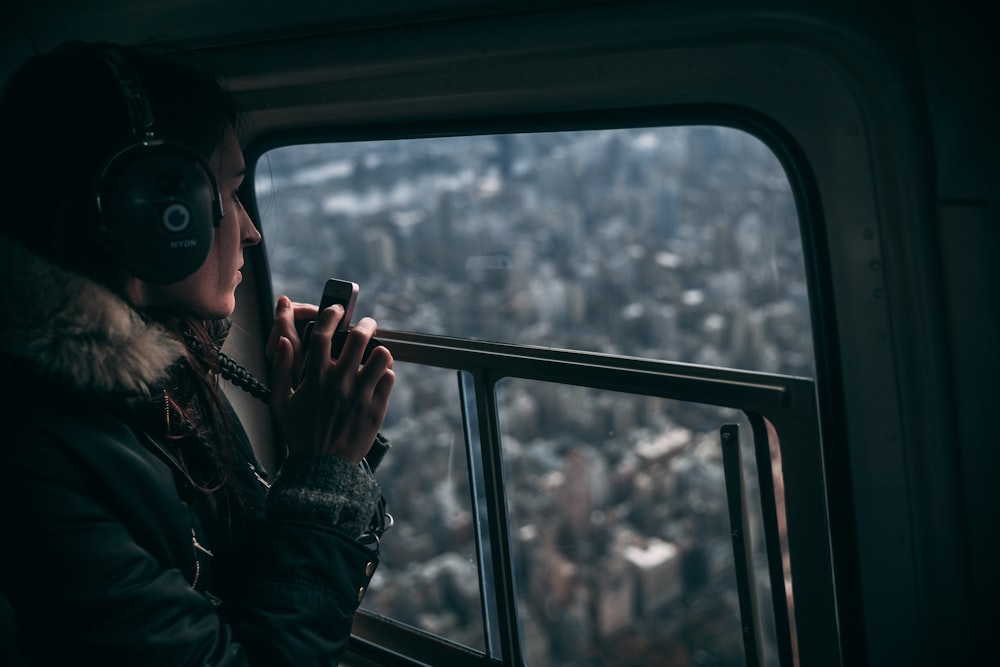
[210,291]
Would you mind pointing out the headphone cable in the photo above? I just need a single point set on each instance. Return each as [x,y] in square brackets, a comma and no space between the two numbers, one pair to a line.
[232,370]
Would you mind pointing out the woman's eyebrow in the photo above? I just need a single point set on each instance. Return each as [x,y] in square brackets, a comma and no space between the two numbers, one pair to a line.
[239,173]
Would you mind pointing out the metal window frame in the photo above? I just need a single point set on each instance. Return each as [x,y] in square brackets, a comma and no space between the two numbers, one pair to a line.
[788,404]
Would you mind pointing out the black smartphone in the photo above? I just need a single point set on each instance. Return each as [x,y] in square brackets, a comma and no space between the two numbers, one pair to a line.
[345,293]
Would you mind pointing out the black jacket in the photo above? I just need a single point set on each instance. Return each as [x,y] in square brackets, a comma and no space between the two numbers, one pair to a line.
[107,556]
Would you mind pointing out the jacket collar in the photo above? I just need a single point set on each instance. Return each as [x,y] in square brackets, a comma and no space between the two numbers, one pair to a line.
[75,333]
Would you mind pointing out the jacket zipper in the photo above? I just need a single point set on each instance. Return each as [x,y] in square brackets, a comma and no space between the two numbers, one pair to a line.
[197,561]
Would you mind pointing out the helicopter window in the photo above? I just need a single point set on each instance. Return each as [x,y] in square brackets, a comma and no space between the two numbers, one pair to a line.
[677,243]
[611,525]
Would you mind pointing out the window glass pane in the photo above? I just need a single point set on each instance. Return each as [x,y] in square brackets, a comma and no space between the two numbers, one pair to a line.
[621,531]
[428,577]
[672,243]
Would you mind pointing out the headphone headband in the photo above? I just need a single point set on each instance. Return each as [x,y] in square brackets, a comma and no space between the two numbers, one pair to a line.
[157,201]
[139,111]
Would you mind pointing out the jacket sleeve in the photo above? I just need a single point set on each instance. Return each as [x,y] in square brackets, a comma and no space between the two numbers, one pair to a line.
[310,572]
[98,569]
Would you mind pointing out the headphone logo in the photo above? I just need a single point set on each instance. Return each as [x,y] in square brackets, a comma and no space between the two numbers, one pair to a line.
[176,218]
[158,202]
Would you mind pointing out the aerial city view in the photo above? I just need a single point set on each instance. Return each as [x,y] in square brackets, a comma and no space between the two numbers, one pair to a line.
[616,502]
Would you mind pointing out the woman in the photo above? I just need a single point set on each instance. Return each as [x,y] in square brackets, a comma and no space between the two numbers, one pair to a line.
[140,528]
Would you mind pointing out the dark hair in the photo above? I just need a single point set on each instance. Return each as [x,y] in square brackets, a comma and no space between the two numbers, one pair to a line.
[63,116]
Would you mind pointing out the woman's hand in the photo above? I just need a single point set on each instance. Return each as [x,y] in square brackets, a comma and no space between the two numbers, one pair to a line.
[290,321]
[333,406]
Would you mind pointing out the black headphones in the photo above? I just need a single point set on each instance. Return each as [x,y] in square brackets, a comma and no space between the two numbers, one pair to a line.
[157,201]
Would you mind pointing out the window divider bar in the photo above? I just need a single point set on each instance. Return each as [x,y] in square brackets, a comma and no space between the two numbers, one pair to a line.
[739,524]
[701,384]
[814,627]
[496,500]
[481,513]
[772,539]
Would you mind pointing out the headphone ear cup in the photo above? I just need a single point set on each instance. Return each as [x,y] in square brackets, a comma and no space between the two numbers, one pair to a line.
[158,207]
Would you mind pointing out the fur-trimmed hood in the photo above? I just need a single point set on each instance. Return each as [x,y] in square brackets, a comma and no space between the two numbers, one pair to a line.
[74,332]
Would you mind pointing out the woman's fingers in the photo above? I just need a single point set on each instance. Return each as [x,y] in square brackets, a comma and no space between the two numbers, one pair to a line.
[374,373]
[383,388]
[279,328]
[352,354]
[289,321]
[332,405]
[319,361]
[281,370]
